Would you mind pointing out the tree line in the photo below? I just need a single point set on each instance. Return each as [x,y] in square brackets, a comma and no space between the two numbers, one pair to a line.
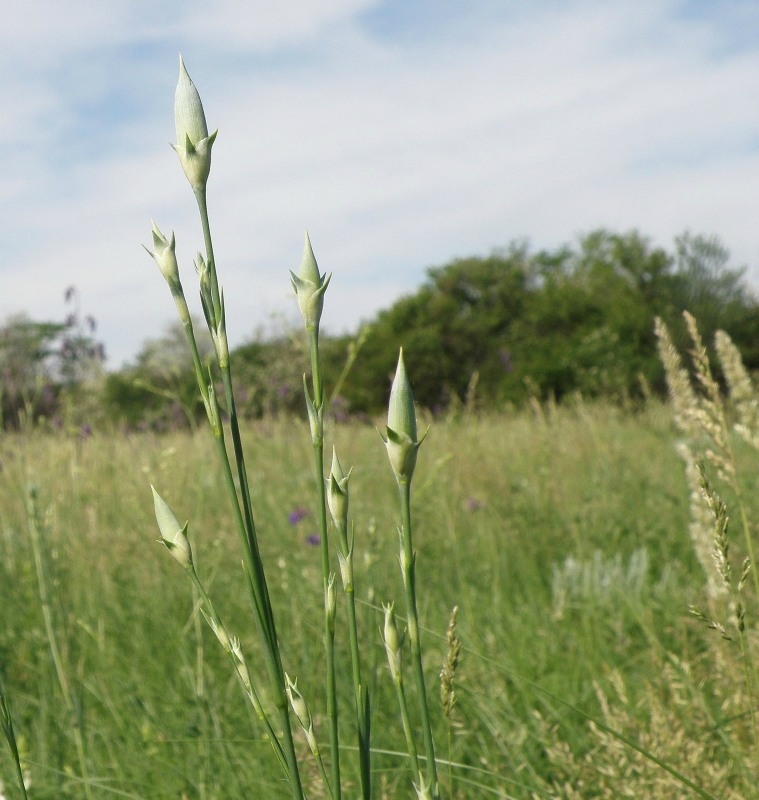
[487,331]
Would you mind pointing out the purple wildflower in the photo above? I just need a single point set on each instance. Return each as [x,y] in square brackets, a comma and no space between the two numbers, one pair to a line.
[296,515]
[313,539]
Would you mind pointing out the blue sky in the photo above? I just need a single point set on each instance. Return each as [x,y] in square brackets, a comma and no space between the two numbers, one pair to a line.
[401,134]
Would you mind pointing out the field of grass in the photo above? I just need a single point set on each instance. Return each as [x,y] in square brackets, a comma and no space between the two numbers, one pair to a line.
[562,537]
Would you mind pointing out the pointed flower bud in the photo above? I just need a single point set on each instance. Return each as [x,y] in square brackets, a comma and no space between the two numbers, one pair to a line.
[392,641]
[193,142]
[173,535]
[330,602]
[400,436]
[165,256]
[298,703]
[345,562]
[309,287]
[337,493]
[423,788]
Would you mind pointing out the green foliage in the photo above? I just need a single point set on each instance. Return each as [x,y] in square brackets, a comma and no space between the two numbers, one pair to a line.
[570,565]
[572,320]
[485,330]
[47,367]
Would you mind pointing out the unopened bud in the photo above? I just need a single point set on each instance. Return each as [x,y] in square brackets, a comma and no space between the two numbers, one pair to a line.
[309,287]
[298,703]
[173,535]
[337,493]
[164,254]
[193,142]
[392,641]
[400,436]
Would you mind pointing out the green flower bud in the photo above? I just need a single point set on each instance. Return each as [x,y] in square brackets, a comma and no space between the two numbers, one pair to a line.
[423,789]
[298,703]
[330,602]
[337,493]
[309,287]
[193,142]
[401,414]
[240,664]
[392,641]
[400,436]
[173,535]
[345,562]
[165,256]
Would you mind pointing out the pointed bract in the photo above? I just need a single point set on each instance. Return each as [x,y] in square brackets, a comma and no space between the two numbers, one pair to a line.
[401,414]
[165,256]
[337,493]
[193,142]
[400,434]
[309,287]
[173,535]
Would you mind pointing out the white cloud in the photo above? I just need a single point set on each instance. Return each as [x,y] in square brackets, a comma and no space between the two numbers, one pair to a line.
[397,148]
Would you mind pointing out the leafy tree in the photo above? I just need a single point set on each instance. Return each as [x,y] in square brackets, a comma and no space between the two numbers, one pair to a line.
[43,365]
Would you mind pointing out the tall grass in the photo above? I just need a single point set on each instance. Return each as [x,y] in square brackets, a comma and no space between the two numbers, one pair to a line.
[563,540]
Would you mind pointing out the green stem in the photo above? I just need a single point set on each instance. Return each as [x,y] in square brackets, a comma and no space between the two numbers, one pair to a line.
[244,519]
[361,699]
[250,691]
[317,440]
[200,196]
[6,722]
[409,582]
[265,619]
[55,652]
[406,722]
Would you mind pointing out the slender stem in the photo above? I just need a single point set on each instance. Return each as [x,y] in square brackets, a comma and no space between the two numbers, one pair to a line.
[406,722]
[244,518]
[749,681]
[6,722]
[361,699]
[260,594]
[317,441]
[250,690]
[200,196]
[409,582]
[55,652]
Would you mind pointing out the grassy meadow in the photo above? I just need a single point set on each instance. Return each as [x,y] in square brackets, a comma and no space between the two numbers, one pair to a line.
[561,535]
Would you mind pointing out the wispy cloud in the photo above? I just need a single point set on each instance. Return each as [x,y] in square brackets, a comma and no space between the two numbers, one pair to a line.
[401,134]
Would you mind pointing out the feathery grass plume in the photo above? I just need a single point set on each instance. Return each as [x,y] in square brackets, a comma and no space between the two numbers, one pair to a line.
[682,731]
[701,526]
[743,393]
[448,672]
[684,400]
[711,407]
[704,416]
[447,676]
